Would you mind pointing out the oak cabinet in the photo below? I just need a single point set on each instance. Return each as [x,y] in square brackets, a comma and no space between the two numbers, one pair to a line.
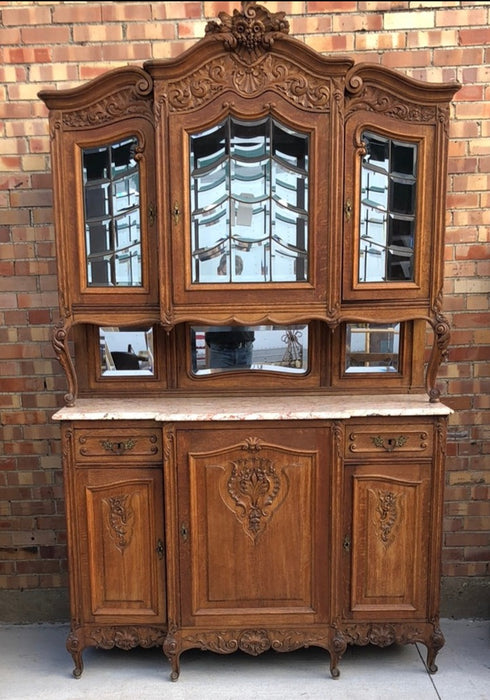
[116,537]
[250,248]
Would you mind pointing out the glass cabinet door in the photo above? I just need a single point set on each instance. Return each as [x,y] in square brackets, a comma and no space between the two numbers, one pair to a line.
[249,203]
[388,211]
[114,211]
[387,219]
[111,186]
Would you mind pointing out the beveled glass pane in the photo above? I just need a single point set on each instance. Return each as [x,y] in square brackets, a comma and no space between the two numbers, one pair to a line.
[112,215]
[126,352]
[218,349]
[249,203]
[387,210]
[372,347]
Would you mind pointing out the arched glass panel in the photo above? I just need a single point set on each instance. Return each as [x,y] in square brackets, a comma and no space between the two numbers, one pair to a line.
[249,203]
[387,221]
[112,215]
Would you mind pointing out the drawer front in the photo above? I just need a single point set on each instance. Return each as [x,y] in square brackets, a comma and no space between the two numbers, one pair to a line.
[126,444]
[379,440]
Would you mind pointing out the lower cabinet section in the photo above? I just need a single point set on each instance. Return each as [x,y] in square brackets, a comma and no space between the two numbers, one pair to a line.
[254,535]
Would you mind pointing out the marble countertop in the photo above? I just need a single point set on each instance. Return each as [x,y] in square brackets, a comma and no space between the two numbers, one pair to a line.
[252,408]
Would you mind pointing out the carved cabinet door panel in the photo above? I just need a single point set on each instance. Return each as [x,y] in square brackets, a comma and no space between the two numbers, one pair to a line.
[254,524]
[386,543]
[120,520]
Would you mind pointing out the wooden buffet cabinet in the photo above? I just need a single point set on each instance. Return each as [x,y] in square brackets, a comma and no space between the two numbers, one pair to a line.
[250,248]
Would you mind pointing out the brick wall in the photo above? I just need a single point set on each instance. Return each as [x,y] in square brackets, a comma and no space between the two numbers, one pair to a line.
[60,44]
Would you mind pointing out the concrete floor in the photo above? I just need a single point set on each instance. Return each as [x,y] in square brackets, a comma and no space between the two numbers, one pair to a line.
[34,664]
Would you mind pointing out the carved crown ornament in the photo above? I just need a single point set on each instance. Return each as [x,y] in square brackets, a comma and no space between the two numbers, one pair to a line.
[249,33]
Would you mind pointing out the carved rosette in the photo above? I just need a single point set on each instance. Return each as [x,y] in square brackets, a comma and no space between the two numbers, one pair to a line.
[127,637]
[249,33]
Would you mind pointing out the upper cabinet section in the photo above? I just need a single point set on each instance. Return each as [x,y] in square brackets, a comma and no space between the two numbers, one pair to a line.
[251,180]
[103,148]
[396,134]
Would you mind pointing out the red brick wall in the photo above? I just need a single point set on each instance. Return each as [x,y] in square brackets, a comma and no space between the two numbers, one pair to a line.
[60,44]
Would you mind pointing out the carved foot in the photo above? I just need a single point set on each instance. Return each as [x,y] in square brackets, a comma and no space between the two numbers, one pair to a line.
[431,657]
[436,643]
[73,647]
[172,650]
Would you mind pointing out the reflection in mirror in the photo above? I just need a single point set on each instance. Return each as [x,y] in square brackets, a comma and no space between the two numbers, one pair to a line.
[249,203]
[372,347]
[126,351]
[387,217]
[264,348]
[112,215]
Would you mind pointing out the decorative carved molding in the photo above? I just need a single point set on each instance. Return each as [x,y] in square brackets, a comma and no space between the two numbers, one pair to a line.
[252,444]
[253,492]
[127,637]
[381,635]
[374,99]
[387,512]
[120,519]
[254,641]
[59,341]
[302,89]
[249,33]
[124,103]
[442,336]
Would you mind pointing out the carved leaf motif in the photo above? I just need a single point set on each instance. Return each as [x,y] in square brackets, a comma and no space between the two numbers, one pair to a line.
[300,88]
[374,99]
[126,102]
[120,519]
[387,513]
[127,637]
[253,491]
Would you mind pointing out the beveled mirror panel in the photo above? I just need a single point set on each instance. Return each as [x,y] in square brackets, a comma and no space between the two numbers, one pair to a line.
[217,349]
[112,215]
[372,347]
[126,352]
[249,203]
[387,212]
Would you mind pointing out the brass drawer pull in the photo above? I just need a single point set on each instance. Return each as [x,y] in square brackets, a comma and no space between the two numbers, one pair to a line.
[391,443]
[118,448]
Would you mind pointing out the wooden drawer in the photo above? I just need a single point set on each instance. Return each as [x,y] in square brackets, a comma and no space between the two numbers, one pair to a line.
[126,444]
[381,439]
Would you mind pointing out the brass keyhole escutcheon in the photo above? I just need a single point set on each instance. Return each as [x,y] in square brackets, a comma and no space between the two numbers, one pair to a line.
[176,213]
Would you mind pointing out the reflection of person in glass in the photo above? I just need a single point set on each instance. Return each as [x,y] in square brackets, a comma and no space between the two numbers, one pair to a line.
[230,346]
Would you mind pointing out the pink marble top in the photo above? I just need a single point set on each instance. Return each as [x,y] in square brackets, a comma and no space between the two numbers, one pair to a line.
[251,408]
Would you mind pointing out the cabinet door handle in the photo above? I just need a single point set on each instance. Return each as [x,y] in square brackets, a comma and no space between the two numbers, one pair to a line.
[346,543]
[184,532]
[160,550]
